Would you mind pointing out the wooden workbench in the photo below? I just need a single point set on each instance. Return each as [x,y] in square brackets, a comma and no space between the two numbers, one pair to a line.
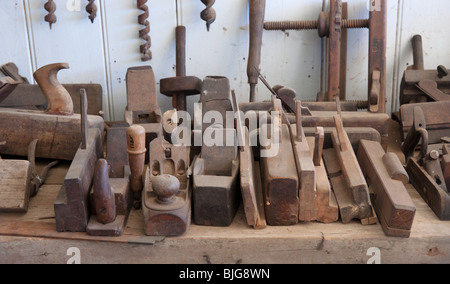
[32,238]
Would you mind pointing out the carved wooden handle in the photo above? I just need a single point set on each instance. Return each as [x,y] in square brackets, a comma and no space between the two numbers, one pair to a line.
[136,156]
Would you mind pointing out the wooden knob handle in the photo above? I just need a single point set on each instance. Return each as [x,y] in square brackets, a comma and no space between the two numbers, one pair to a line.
[136,156]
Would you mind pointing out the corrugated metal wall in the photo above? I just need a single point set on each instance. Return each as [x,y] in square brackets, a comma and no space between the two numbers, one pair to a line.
[101,52]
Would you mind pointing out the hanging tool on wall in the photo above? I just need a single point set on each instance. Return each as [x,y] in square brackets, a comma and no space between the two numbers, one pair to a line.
[181,86]
[50,6]
[257,10]
[91,8]
[146,54]
[209,14]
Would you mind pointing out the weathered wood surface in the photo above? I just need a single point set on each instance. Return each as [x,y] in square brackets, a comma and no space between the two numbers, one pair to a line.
[393,205]
[59,136]
[15,185]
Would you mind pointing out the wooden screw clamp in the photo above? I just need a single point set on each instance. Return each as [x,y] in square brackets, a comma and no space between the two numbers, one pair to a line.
[330,25]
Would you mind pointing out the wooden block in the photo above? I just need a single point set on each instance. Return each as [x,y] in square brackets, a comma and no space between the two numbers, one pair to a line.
[59,135]
[71,205]
[15,186]
[280,182]
[251,188]
[307,177]
[327,207]
[394,206]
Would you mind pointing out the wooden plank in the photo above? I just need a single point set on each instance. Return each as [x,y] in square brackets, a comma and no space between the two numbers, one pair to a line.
[15,186]
[394,206]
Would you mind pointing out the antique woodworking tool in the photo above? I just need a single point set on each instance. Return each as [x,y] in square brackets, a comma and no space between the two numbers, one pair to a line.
[9,80]
[330,24]
[72,203]
[91,8]
[50,6]
[387,178]
[215,171]
[136,156]
[279,175]
[57,128]
[111,197]
[37,179]
[305,168]
[250,175]
[347,179]
[142,103]
[256,21]
[417,132]
[436,118]
[180,86]
[166,197]
[146,53]
[419,85]
[327,207]
[208,14]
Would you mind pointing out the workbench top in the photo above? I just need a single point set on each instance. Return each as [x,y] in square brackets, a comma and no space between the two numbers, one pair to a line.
[32,238]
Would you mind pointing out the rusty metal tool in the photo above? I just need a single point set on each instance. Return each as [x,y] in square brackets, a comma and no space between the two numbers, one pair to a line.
[417,133]
[136,155]
[349,184]
[142,103]
[181,86]
[216,170]
[72,203]
[208,14]
[387,177]
[419,85]
[50,6]
[166,197]
[57,128]
[431,192]
[146,53]
[91,8]
[330,24]
[37,179]
[250,175]
[257,10]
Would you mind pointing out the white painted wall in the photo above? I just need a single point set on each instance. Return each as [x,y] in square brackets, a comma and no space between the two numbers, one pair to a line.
[102,52]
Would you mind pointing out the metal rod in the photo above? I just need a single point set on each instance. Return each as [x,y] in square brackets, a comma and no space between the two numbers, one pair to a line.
[84,126]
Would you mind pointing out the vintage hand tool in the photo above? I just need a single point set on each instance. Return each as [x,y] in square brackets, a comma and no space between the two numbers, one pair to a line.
[136,155]
[327,207]
[347,179]
[209,14]
[436,119]
[180,86]
[437,198]
[330,25]
[216,170]
[146,53]
[166,197]
[419,85]
[387,178]
[9,80]
[305,168]
[418,132]
[50,6]
[250,175]
[111,196]
[72,203]
[142,103]
[58,134]
[37,180]
[91,8]
[279,173]
[256,21]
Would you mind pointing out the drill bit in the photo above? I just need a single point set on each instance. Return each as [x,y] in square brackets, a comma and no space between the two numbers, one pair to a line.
[144,32]
[50,6]
[91,8]
[209,14]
